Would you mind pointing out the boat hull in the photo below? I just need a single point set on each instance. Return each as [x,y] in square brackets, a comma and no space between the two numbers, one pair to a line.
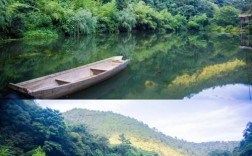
[75,87]
[65,88]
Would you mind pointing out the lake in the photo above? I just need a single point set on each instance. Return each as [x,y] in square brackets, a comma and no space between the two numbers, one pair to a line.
[162,66]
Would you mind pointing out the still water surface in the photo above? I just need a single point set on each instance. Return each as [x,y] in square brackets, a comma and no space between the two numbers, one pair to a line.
[163,66]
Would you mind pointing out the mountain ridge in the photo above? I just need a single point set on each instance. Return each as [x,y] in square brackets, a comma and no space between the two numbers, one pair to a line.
[112,124]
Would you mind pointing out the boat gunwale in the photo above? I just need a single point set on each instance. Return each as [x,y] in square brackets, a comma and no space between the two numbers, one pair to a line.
[62,72]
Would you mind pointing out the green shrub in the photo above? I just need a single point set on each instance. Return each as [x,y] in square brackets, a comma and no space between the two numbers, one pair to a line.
[201,19]
[198,22]
[180,22]
[192,25]
[40,34]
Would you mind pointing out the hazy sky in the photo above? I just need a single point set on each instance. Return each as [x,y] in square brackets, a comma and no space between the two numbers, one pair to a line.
[192,120]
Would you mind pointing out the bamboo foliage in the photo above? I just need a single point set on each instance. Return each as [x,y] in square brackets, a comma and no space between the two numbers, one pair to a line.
[83,22]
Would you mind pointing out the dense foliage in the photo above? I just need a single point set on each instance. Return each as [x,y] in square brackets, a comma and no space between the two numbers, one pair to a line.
[112,125]
[77,17]
[27,129]
[245,148]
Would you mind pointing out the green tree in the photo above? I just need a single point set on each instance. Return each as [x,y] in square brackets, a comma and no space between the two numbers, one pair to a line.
[245,148]
[198,22]
[187,11]
[227,15]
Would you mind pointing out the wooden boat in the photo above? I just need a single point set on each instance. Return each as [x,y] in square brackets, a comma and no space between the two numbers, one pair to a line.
[70,81]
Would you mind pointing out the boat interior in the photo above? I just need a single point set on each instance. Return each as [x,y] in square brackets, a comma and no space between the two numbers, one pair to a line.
[70,76]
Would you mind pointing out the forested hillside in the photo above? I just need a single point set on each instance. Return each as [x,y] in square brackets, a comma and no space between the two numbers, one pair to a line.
[139,134]
[48,18]
[28,130]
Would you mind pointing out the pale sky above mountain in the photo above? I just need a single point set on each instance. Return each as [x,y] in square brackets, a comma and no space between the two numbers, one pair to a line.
[191,120]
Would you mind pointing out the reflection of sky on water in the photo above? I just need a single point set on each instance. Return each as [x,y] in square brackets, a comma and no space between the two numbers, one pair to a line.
[192,120]
[226,92]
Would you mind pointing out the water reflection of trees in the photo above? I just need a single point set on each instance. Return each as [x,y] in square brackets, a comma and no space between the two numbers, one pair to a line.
[188,55]
[172,56]
[158,58]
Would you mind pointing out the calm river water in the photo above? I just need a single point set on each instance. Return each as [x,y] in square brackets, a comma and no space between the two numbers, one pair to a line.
[163,66]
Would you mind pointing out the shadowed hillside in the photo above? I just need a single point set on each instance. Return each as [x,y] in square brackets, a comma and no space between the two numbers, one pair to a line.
[28,130]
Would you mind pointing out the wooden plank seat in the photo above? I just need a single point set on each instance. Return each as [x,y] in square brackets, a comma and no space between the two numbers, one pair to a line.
[61,82]
[97,71]
[117,61]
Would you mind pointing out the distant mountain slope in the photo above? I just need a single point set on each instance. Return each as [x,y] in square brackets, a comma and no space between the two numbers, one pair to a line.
[111,125]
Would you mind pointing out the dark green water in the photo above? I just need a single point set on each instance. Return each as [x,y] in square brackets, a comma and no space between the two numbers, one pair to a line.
[163,66]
